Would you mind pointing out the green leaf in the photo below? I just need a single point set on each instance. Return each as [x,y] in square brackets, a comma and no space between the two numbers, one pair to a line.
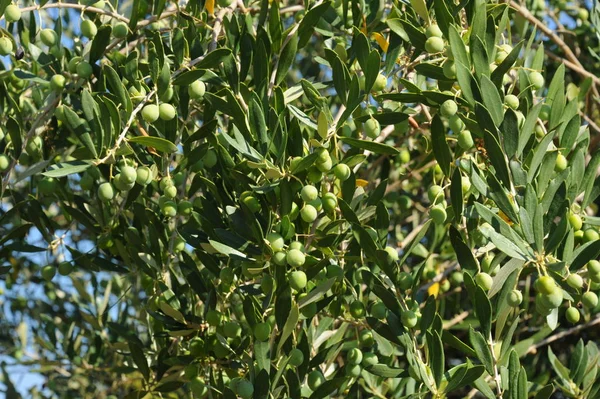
[464,255]
[436,356]
[497,158]
[503,274]
[118,88]
[505,65]
[77,125]
[482,350]
[502,243]
[289,327]
[492,100]
[139,359]
[385,371]
[309,21]
[286,59]
[317,293]
[66,168]
[441,150]
[376,148]
[158,143]
[420,8]
[510,133]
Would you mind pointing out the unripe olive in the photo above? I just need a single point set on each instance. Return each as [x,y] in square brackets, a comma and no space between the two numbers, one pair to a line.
[435,194]
[484,280]
[369,359]
[379,310]
[6,46]
[572,315]
[590,235]
[456,124]
[514,299]
[184,208]
[309,213]
[128,174]
[372,128]
[49,37]
[276,241]
[433,30]
[232,329]
[546,285]
[561,163]
[409,318]
[106,192]
[88,29]
[169,209]
[315,379]
[465,140]
[449,69]
[297,279]
[380,83]
[434,45]
[309,193]
[553,300]
[365,338]
[405,281]
[392,254]
[353,370]
[120,30]
[448,108]
[12,13]
[296,357]
[196,90]
[48,272]
[214,318]
[65,268]
[166,111]
[150,113]
[357,309]
[593,267]
[143,176]
[575,281]
[84,70]
[262,331]
[325,166]
[511,101]
[536,79]
[575,221]
[57,82]
[330,202]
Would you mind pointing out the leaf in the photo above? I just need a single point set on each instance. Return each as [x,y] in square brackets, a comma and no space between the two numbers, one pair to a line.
[492,100]
[385,371]
[100,43]
[309,21]
[482,350]
[327,388]
[505,65]
[289,327]
[436,356]
[503,243]
[213,59]
[503,274]
[376,148]
[420,8]
[317,293]
[464,255]
[118,88]
[139,359]
[510,133]
[497,158]
[441,150]
[158,143]
[286,59]
[66,168]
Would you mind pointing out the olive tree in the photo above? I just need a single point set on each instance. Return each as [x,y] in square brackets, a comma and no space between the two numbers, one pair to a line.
[273,199]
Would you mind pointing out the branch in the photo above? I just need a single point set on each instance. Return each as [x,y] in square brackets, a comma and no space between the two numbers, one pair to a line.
[546,30]
[77,7]
[563,334]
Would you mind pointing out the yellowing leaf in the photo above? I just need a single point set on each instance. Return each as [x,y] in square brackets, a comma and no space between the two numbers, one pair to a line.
[210,7]
[361,183]
[434,289]
[383,43]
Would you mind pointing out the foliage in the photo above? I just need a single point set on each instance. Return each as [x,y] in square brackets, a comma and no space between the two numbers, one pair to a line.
[269,199]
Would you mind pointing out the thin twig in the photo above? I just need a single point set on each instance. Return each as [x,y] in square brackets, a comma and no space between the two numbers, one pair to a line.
[564,333]
[77,7]
[547,31]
